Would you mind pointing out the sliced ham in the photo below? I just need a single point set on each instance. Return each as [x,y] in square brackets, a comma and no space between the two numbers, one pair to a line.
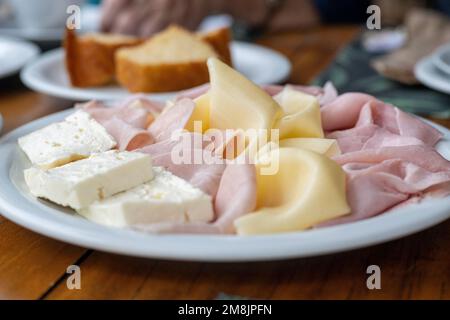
[189,158]
[373,189]
[422,156]
[356,110]
[127,121]
[172,119]
[127,137]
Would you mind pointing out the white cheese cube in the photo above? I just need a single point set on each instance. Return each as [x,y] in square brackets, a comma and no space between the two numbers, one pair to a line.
[80,183]
[166,198]
[75,138]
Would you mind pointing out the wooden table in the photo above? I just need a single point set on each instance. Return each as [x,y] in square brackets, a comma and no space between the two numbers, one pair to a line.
[33,266]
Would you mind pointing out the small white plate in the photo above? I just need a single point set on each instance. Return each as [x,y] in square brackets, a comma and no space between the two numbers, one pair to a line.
[48,73]
[18,205]
[90,17]
[441,59]
[37,35]
[14,54]
[428,74]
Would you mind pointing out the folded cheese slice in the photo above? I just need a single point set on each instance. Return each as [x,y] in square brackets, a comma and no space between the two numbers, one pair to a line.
[301,116]
[308,188]
[236,102]
[77,137]
[200,114]
[166,198]
[78,184]
[327,147]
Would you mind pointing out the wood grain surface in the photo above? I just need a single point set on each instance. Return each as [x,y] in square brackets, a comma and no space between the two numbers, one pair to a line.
[34,267]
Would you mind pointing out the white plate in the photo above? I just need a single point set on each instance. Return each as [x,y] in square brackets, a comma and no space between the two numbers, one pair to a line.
[441,59]
[37,35]
[43,217]
[89,22]
[48,74]
[14,54]
[428,74]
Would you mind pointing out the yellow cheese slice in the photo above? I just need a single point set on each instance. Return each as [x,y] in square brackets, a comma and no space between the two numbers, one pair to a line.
[327,147]
[236,102]
[301,115]
[200,114]
[307,189]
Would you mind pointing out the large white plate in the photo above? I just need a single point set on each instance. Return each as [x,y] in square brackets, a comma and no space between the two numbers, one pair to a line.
[48,74]
[14,54]
[429,75]
[43,217]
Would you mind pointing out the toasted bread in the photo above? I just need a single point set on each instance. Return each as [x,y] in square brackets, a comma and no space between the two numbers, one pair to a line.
[220,40]
[90,57]
[172,60]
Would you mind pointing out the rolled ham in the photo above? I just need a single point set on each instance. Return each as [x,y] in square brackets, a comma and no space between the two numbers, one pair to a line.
[387,154]
[126,122]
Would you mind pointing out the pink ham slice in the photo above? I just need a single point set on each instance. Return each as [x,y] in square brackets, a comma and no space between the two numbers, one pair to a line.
[356,110]
[127,122]
[373,189]
[127,137]
[387,154]
[236,196]
[172,119]
[189,159]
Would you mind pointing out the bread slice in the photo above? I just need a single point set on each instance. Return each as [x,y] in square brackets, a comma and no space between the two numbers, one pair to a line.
[172,60]
[90,57]
[220,40]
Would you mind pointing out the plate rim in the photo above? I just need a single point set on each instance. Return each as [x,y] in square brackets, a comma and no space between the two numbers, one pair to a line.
[31,78]
[439,61]
[34,52]
[422,74]
[232,248]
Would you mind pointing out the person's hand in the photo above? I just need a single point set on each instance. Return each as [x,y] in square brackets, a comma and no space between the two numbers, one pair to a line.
[145,17]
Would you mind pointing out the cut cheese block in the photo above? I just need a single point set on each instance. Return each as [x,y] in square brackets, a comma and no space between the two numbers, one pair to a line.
[90,57]
[172,60]
[236,102]
[166,198]
[77,137]
[80,183]
[301,116]
[307,189]
[327,147]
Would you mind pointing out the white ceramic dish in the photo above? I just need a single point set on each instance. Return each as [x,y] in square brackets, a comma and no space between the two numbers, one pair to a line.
[429,75]
[48,74]
[14,54]
[90,17]
[441,59]
[18,205]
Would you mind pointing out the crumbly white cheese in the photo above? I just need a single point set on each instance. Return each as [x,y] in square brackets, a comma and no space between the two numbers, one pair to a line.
[77,137]
[80,183]
[166,198]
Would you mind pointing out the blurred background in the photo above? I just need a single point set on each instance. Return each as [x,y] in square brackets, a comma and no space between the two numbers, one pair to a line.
[396,51]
